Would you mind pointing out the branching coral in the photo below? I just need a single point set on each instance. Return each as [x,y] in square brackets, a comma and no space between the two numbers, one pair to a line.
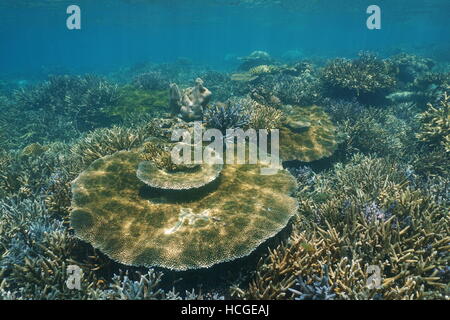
[263,117]
[82,99]
[435,125]
[410,247]
[366,75]
[102,142]
[302,88]
[385,132]
[229,115]
[151,81]
[410,66]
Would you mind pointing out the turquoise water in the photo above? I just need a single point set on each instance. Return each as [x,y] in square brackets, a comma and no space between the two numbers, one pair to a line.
[119,33]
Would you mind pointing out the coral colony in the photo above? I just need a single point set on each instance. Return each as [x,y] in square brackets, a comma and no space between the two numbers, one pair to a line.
[307,178]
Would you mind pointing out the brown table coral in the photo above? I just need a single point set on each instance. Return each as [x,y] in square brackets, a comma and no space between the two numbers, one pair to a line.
[142,226]
[307,134]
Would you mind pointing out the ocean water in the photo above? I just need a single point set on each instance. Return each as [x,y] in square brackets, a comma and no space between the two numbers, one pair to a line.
[118,33]
[94,206]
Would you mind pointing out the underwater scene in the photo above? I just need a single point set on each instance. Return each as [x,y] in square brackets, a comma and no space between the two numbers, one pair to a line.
[224,150]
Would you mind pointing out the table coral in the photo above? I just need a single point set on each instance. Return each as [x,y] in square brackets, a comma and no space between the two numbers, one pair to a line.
[307,134]
[137,225]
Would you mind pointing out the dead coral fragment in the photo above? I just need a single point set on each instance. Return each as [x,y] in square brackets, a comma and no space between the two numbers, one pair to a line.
[307,134]
[141,226]
[191,102]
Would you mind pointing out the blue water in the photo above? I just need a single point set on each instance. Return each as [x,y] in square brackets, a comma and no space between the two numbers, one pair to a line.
[117,33]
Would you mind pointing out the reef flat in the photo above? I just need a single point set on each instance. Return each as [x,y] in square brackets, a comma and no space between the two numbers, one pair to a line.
[87,180]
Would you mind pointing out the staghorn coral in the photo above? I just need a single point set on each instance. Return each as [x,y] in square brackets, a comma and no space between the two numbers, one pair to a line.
[410,67]
[82,99]
[25,175]
[427,88]
[435,125]
[21,127]
[301,88]
[151,81]
[384,132]
[102,142]
[263,117]
[410,246]
[229,115]
[364,77]
[153,226]
[319,289]
[39,250]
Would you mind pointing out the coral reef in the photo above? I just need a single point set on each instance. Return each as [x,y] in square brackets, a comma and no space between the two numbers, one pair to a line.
[435,125]
[228,115]
[364,77]
[153,81]
[410,246]
[81,98]
[87,179]
[410,67]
